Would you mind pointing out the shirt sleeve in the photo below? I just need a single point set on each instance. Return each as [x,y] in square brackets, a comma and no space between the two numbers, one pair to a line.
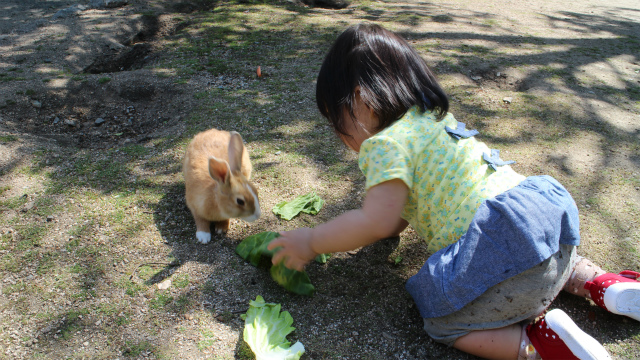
[382,159]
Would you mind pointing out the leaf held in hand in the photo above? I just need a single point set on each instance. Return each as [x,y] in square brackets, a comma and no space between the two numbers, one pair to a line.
[254,250]
[266,329]
[310,203]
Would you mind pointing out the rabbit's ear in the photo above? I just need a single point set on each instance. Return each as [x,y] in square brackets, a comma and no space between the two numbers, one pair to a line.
[235,151]
[218,169]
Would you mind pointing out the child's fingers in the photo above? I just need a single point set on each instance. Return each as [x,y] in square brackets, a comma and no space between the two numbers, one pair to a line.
[297,267]
[277,257]
[293,264]
[275,243]
[288,261]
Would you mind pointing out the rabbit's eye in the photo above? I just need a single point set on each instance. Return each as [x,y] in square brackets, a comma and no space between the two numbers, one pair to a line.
[240,202]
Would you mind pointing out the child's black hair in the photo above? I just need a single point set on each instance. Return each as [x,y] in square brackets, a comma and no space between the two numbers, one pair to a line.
[392,77]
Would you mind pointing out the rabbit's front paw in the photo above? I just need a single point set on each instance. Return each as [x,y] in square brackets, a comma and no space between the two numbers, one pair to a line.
[222,226]
[203,237]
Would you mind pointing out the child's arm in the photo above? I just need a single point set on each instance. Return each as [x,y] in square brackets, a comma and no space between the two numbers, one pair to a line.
[378,218]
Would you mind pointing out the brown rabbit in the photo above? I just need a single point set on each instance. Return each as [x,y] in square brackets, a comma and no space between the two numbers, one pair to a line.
[216,174]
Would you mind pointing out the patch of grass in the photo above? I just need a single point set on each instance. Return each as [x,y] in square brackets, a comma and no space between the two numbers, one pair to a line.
[109,309]
[12,78]
[9,102]
[10,263]
[30,235]
[182,303]
[83,294]
[593,201]
[135,150]
[8,138]
[490,22]
[146,272]
[217,66]
[633,91]
[69,330]
[72,244]
[77,269]
[208,339]
[47,262]
[104,80]
[592,51]
[181,281]
[45,206]
[131,288]
[134,349]
[474,49]
[161,300]
[18,287]
[14,203]
[560,73]
[70,323]
[123,320]
[5,240]
[408,19]
[442,18]
[225,316]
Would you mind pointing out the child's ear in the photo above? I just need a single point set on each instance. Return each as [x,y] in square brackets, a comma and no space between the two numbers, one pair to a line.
[372,113]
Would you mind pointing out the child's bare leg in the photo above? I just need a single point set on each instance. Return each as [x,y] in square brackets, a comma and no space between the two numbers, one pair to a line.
[584,271]
[554,335]
[500,343]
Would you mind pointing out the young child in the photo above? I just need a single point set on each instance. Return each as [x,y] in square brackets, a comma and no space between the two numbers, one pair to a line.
[504,243]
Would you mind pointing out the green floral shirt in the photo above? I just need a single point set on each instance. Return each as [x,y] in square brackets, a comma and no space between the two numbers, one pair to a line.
[447,178]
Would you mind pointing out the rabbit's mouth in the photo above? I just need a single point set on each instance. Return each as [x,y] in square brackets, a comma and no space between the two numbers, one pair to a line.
[252,217]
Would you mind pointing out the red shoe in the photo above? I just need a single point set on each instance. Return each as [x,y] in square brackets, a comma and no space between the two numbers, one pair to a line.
[557,337]
[617,293]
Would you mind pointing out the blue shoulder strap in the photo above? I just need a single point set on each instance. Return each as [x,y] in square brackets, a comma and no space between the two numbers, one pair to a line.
[494,160]
[460,132]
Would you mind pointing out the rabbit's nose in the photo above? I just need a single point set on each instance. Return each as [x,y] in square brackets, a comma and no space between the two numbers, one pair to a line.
[253,217]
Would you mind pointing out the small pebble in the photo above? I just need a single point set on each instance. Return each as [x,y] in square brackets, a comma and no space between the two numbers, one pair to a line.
[164,285]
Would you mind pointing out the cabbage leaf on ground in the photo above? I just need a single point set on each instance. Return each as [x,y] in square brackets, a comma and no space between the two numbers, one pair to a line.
[266,330]
[310,203]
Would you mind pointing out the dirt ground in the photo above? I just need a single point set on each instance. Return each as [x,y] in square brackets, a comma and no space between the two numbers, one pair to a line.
[97,104]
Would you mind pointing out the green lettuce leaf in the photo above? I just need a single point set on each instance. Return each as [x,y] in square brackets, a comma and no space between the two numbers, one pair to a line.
[254,250]
[310,203]
[297,282]
[322,258]
[266,330]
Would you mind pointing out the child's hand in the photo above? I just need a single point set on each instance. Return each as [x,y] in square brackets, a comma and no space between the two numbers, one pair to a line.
[296,251]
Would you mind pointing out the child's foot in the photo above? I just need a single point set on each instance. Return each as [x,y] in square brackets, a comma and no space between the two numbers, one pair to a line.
[617,293]
[557,337]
